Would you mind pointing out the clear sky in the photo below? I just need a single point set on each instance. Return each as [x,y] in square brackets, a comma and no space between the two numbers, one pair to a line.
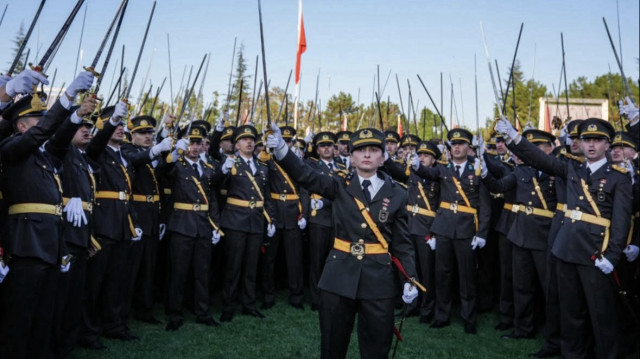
[346,40]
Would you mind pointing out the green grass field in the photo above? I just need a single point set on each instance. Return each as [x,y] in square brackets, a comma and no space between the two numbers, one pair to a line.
[291,333]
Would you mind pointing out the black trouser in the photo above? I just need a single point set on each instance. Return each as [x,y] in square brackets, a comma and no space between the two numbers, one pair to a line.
[242,251]
[320,244]
[588,306]
[375,325]
[134,256]
[488,272]
[426,267]
[186,253]
[69,301]
[527,265]
[552,306]
[293,245]
[449,251]
[105,290]
[506,280]
[27,315]
[145,278]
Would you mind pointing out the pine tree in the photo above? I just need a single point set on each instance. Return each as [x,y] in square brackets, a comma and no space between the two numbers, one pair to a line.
[17,42]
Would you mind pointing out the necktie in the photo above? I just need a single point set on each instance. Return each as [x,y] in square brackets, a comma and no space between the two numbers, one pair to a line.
[330,166]
[365,189]
[458,171]
[253,171]
[117,152]
[195,168]
[588,175]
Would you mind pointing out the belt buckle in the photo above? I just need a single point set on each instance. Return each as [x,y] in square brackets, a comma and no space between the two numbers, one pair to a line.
[576,215]
[252,204]
[415,209]
[454,207]
[150,198]
[528,210]
[196,206]
[515,208]
[58,210]
[283,197]
[122,196]
[357,250]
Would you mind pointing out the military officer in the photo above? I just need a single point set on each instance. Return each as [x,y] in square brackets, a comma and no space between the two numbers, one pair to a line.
[246,214]
[391,139]
[34,248]
[460,227]
[342,146]
[591,239]
[358,277]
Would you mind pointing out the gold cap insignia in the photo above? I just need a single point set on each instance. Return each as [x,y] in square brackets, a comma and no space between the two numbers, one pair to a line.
[144,123]
[456,134]
[196,132]
[247,130]
[618,138]
[325,137]
[365,134]
[592,127]
[530,136]
[286,132]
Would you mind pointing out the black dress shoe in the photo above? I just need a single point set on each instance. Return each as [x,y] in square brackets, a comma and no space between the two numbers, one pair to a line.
[439,324]
[209,321]
[267,305]
[253,312]
[297,305]
[514,335]
[173,325]
[226,317]
[546,353]
[503,326]
[93,345]
[123,335]
[470,328]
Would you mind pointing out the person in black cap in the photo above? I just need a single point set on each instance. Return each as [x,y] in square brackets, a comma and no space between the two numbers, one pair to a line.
[193,226]
[534,208]
[342,139]
[370,219]
[143,156]
[33,247]
[460,227]
[623,149]
[222,140]
[409,143]
[289,221]
[591,239]
[391,139]
[115,228]
[423,200]
[320,213]
[246,214]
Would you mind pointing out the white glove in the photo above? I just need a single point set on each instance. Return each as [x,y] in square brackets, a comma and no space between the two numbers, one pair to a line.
[631,251]
[415,162]
[163,146]
[316,204]
[80,84]
[75,213]
[563,131]
[276,142]
[220,123]
[182,145]
[296,151]
[504,126]
[480,146]
[478,242]
[302,223]
[484,171]
[604,265]
[138,235]
[118,113]
[409,294]
[432,242]
[271,230]
[4,269]
[4,79]
[309,137]
[162,230]
[24,82]
[630,111]
[66,263]
[215,237]
[228,164]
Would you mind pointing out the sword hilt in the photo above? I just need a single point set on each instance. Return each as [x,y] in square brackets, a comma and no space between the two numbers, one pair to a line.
[92,70]
[37,68]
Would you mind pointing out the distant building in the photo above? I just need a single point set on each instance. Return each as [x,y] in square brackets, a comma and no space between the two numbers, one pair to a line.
[578,109]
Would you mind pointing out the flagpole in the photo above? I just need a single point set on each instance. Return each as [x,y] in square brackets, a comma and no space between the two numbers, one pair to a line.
[301,47]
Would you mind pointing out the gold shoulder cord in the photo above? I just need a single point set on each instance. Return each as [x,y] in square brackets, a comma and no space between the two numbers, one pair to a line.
[466,200]
[372,224]
[290,183]
[206,201]
[255,185]
[426,200]
[596,210]
[539,192]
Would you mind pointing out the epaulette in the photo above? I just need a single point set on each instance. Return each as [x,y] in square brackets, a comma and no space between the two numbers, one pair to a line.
[398,160]
[509,163]
[491,152]
[570,156]
[311,158]
[443,162]
[341,166]
[262,162]
[208,165]
[620,169]
[400,183]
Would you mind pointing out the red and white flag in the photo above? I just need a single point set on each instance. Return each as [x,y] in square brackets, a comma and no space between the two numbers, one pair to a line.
[302,41]
[399,129]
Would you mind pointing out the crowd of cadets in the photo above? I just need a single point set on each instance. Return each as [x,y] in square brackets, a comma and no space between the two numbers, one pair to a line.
[103,217]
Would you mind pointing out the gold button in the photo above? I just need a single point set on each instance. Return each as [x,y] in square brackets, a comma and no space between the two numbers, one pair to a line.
[363,225]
